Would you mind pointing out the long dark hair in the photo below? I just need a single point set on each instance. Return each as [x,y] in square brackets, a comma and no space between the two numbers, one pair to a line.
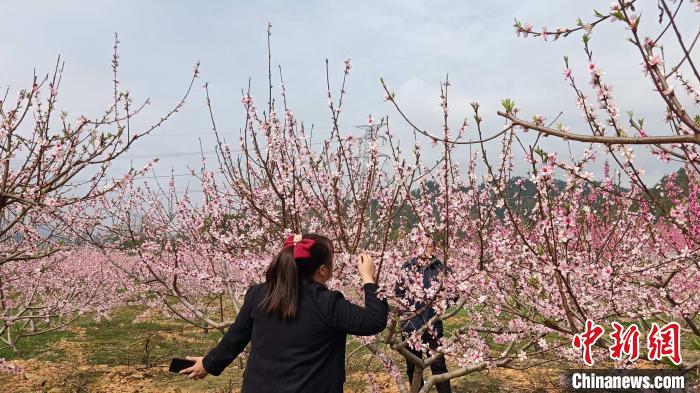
[286,275]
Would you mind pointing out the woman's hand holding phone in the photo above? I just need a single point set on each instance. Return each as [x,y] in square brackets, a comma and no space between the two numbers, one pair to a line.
[196,371]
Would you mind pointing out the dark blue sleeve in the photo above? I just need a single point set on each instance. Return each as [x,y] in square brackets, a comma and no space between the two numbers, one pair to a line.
[353,319]
[235,339]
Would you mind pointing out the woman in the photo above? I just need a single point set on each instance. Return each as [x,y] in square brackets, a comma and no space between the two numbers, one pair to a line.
[296,326]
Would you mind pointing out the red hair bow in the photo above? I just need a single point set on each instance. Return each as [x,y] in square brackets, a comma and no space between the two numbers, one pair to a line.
[302,247]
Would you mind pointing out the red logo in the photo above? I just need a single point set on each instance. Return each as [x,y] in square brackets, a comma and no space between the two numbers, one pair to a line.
[665,341]
[586,339]
[626,342]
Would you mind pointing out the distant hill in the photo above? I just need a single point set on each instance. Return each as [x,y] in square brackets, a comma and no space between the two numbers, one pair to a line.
[527,190]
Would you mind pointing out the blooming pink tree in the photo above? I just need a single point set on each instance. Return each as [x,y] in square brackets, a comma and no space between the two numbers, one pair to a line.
[54,170]
[46,294]
[674,206]
[186,259]
[199,256]
[540,255]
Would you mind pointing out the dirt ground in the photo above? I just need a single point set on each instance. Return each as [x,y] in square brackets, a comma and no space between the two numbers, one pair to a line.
[58,378]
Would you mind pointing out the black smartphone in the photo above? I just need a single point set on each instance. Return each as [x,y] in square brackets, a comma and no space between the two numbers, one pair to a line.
[177,364]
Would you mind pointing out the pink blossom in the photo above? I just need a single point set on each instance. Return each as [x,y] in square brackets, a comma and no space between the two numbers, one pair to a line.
[539,120]
[592,68]
[655,60]
[547,170]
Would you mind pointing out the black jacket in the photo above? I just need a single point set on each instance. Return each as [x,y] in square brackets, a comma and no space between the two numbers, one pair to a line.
[306,354]
[430,273]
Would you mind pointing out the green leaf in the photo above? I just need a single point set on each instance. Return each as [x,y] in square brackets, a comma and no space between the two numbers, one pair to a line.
[543,154]
[539,250]
[534,282]
[508,105]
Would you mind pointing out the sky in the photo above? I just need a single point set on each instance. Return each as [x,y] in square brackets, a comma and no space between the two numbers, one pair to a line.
[411,44]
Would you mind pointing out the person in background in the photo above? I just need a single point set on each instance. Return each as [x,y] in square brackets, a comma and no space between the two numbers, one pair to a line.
[296,326]
[429,269]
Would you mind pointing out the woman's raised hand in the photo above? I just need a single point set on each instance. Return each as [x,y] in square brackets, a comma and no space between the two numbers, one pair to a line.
[366,268]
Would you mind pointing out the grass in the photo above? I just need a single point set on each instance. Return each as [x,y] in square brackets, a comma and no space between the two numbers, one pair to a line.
[122,342]
[118,352]
[116,341]
[39,346]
